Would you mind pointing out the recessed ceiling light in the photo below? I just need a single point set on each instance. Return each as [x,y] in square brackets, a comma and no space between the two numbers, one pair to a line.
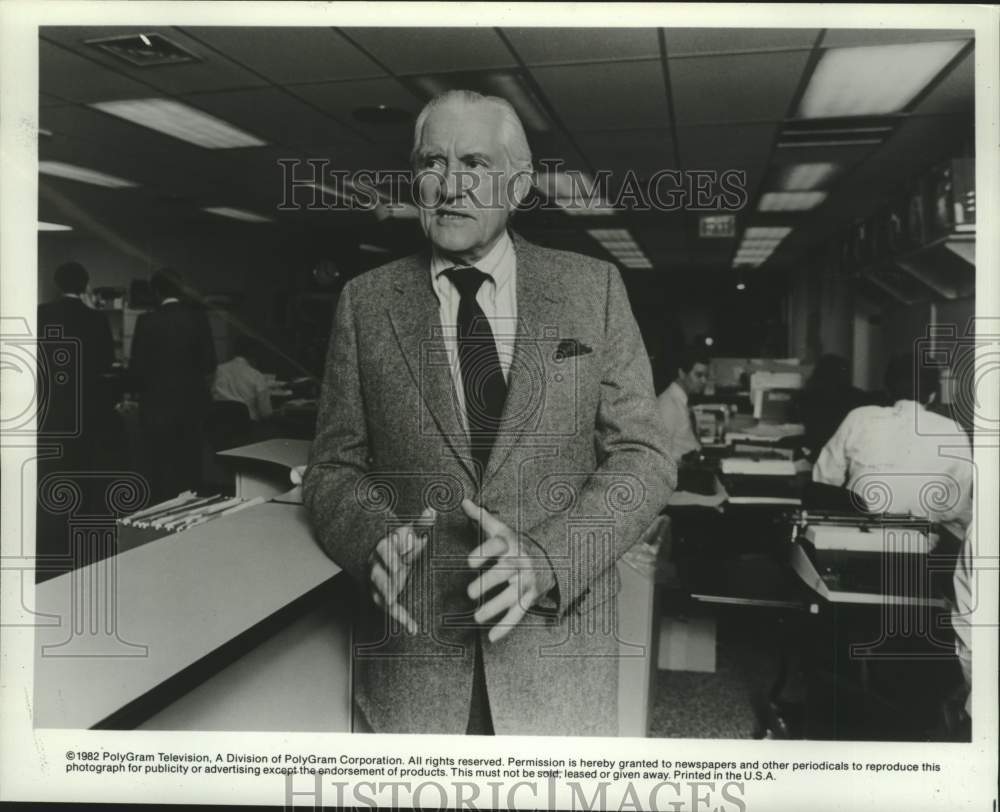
[757,232]
[741,286]
[790,201]
[870,80]
[58,169]
[806,177]
[237,214]
[43,226]
[144,50]
[180,121]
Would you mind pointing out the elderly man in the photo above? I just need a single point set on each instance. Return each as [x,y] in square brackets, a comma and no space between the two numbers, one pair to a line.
[487,447]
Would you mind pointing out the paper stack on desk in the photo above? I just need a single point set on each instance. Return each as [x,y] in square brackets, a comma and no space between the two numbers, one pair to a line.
[749,466]
[184,511]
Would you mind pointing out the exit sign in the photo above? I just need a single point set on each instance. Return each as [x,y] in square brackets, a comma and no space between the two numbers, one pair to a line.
[717,225]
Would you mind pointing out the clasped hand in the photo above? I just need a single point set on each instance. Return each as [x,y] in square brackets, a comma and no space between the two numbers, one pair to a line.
[516,562]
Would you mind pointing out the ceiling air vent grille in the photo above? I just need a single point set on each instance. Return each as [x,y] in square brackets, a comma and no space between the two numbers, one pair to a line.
[835,132]
[144,50]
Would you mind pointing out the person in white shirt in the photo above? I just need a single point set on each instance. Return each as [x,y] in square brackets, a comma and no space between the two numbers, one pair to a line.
[237,379]
[692,375]
[903,458]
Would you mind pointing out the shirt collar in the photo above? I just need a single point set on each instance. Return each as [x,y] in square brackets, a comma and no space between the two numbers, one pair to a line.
[498,264]
[678,393]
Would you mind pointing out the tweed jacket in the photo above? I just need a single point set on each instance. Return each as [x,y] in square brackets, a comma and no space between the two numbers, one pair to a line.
[580,467]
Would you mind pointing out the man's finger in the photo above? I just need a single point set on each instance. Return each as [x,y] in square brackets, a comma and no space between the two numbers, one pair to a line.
[512,618]
[493,547]
[380,581]
[398,611]
[411,547]
[388,551]
[491,578]
[494,606]
[426,520]
[486,520]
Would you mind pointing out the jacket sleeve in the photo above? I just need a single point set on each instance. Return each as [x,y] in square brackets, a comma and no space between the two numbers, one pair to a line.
[137,364]
[338,460]
[635,473]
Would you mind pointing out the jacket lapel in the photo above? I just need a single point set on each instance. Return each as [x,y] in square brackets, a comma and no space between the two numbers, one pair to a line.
[538,294]
[416,322]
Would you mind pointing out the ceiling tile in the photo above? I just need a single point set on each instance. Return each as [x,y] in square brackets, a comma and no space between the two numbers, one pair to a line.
[748,87]
[275,116]
[641,152]
[292,54]
[433,50]
[955,94]
[341,99]
[733,146]
[552,46]
[211,72]
[629,95]
[846,37]
[64,74]
[701,41]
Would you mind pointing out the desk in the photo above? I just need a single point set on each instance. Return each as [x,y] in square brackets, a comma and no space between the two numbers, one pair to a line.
[178,600]
[242,623]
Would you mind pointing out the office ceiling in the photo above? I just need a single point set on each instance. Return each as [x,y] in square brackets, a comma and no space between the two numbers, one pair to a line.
[607,99]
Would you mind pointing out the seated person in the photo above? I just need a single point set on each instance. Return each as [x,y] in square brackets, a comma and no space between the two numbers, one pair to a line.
[690,378]
[893,453]
[826,400]
[239,380]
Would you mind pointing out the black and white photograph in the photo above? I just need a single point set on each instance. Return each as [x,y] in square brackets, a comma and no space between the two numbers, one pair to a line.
[441,407]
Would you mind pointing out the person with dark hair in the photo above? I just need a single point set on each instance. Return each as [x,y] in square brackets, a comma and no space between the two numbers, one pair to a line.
[825,401]
[75,400]
[239,380]
[895,451]
[690,377]
[171,367]
[70,318]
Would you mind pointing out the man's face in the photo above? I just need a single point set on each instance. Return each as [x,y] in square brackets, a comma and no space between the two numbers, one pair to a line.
[464,177]
[693,382]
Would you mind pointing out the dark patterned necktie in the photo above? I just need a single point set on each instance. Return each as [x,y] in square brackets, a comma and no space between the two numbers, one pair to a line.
[482,377]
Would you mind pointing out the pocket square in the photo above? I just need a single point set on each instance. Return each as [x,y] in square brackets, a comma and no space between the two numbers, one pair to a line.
[570,347]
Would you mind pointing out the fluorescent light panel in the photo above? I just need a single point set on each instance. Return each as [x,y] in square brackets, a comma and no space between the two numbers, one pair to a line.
[806,177]
[757,232]
[873,80]
[180,121]
[43,226]
[58,169]
[790,201]
[237,214]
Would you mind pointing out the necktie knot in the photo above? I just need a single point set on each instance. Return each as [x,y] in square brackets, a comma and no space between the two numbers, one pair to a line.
[466,279]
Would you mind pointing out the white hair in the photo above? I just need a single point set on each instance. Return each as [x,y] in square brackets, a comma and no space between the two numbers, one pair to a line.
[514,140]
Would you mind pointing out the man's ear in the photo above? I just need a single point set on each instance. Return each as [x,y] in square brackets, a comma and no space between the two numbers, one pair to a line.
[522,181]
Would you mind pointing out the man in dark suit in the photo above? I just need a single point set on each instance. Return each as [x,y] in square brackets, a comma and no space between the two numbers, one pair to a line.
[76,405]
[487,447]
[171,367]
[75,353]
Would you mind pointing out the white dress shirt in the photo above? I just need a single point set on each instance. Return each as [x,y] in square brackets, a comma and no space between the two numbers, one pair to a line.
[237,380]
[497,297]
[892,456]
[673,406]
